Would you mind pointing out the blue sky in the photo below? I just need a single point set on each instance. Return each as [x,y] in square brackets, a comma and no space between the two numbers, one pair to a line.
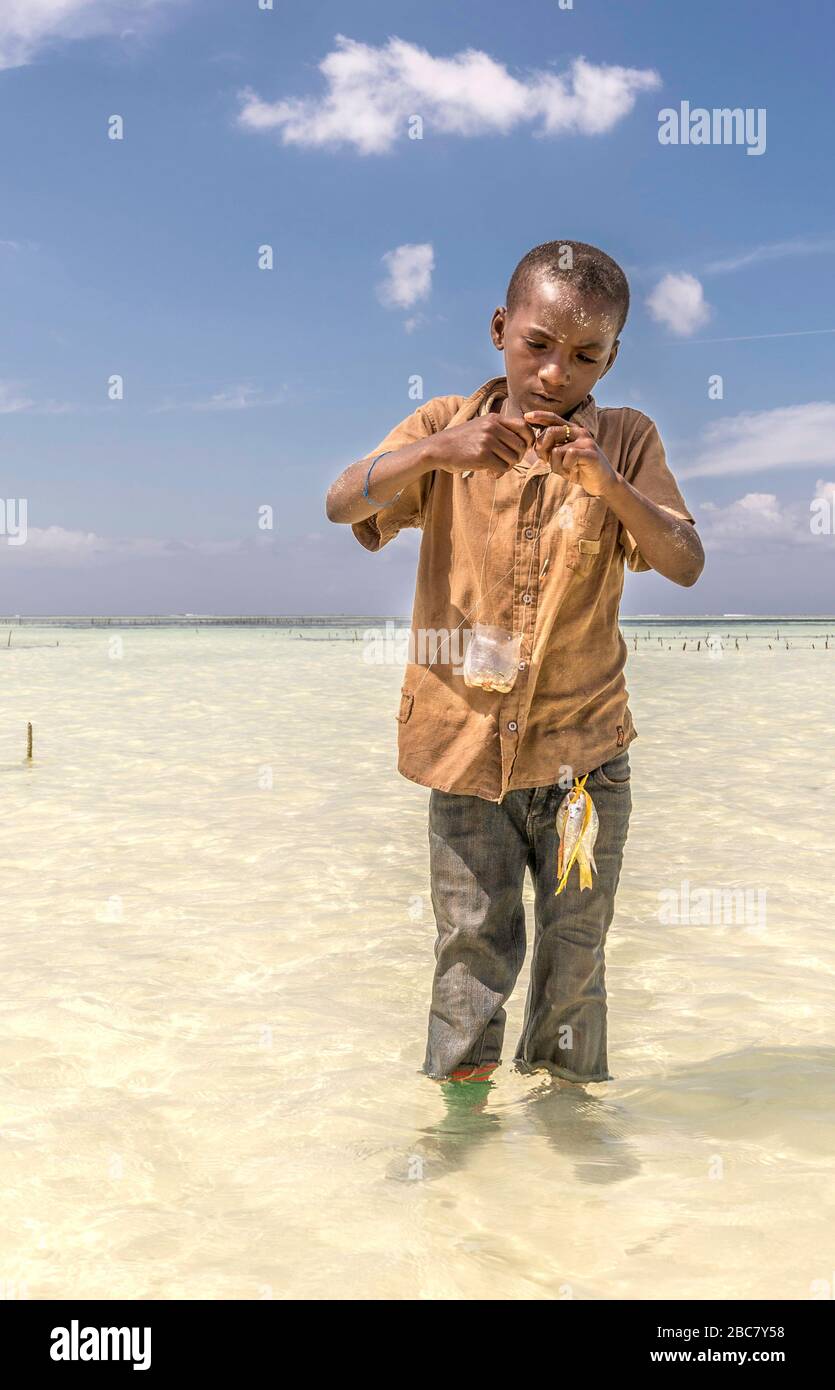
[246,387]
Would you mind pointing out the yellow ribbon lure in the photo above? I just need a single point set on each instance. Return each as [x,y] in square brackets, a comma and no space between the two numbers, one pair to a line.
[577,827]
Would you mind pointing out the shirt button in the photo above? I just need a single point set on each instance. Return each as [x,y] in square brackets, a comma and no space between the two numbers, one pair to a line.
[529,534]
[526,598]
[513,726]
[522,665]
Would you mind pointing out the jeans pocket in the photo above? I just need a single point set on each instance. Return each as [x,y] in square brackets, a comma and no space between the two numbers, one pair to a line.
[616,772]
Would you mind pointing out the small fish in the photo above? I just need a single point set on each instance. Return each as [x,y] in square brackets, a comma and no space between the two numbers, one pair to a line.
[577,827]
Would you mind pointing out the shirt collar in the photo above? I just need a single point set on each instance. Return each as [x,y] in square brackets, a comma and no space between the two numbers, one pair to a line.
[482,400]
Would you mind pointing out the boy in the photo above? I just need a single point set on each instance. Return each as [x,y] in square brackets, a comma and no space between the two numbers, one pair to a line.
[531,499]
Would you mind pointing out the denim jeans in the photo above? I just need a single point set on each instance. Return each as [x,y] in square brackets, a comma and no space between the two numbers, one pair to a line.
[478,852]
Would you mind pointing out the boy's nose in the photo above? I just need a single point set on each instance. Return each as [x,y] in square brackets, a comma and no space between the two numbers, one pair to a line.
[554,374]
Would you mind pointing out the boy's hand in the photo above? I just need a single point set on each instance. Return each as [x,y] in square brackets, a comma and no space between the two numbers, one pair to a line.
[492,443]
[579,459]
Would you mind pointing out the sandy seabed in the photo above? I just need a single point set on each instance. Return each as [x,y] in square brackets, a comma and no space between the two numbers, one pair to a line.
[216,946]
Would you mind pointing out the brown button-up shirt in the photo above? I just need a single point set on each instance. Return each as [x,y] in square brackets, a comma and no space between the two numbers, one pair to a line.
[552,573]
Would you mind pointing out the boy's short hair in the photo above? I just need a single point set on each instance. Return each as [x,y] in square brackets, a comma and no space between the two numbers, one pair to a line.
[588,268]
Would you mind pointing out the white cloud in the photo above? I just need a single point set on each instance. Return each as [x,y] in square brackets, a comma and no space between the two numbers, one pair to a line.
[758,337]
[825,489]
[371,93]
[58,546]
[773,251]
[54,545]
[408,276]
[26,25]
[57,540]
[756,515]
[678,302]
[758,522]
[13,398]
[795,436]
[242,397]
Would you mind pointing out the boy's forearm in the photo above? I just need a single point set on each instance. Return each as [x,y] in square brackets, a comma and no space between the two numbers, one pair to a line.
[393,472]
[668,543]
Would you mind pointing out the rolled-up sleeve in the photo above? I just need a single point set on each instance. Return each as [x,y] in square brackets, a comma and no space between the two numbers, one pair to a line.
[647,470]
[410,508]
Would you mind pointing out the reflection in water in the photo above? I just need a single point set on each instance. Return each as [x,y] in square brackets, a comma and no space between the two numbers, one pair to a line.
[442,1147]
[587,1129]
[584,1128]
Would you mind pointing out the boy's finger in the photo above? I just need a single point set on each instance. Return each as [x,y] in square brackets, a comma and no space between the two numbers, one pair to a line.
[545,417]
[519,428]
[506,454]
[564,460]
[512,439]
[582,447]
[548,440]
[542,418]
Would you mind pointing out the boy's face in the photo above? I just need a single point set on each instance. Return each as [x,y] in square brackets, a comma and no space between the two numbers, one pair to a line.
[557,343]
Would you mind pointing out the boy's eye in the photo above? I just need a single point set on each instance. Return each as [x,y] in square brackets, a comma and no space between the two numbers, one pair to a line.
[537,346]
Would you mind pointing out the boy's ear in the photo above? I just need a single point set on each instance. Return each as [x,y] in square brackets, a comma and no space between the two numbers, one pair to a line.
[497,327]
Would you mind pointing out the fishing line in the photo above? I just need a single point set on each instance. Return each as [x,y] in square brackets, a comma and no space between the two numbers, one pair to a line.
[487,592]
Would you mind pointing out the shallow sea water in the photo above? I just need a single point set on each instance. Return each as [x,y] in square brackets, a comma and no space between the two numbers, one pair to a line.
[216,945]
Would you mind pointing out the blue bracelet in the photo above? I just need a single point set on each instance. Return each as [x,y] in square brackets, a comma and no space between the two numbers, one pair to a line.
[380,505]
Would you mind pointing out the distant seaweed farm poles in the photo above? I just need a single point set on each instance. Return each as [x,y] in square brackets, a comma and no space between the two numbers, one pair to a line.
[9,643]
[28,742]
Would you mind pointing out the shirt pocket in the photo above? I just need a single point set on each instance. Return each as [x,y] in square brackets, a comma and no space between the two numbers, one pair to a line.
[584,539]
[407,700]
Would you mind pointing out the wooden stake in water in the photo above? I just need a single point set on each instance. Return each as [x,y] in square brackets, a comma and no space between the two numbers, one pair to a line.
[29,742]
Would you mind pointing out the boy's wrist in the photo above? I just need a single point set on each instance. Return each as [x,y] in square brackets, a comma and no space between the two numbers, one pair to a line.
[394,470]
[428,454]
[613,487]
